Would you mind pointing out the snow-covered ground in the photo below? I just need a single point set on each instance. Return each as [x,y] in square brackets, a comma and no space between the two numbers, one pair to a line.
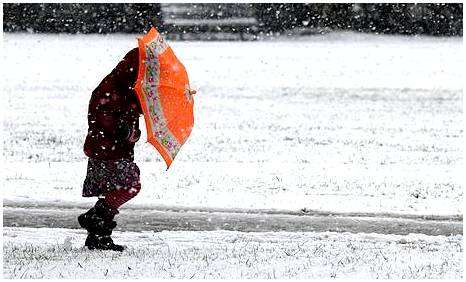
[342,122]
[58,253]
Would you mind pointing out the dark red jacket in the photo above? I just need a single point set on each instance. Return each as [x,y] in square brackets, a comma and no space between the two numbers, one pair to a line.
[114,111]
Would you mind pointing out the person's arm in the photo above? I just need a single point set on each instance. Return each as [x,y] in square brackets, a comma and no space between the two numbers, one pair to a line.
[108,98]
[129,118]
[104,107]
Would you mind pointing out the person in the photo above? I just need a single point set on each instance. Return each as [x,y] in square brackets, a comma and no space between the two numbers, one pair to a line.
[112,175]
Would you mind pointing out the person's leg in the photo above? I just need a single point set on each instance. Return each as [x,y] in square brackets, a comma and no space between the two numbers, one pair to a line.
[99,223]
[116,198]
[99,219]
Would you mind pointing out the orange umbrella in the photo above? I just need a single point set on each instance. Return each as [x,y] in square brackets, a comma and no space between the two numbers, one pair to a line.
[163,91]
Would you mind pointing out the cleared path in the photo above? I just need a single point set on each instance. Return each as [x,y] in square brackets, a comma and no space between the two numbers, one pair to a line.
[196,220]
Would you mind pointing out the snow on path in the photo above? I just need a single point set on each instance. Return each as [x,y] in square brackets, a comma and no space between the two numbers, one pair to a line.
[150,219]
[58,253]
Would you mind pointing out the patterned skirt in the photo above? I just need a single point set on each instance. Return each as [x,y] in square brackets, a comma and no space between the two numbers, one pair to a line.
[104,176]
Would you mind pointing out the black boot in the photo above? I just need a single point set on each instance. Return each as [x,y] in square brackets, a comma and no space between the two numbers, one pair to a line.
[99,223]
[101,242]
[99,218]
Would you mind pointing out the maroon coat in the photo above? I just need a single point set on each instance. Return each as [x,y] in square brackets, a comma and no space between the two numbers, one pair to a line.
[114,111]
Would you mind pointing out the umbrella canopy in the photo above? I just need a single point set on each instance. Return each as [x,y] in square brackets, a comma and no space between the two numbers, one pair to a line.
[163,91]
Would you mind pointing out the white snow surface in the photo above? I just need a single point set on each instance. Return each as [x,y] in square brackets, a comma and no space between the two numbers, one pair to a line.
[341,122]
[58,253]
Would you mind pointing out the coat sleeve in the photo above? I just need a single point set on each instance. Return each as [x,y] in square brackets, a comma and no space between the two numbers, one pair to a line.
[105,107]
[129,117]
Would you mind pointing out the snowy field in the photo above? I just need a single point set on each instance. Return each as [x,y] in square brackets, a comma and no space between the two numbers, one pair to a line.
[44,253]
[343,122]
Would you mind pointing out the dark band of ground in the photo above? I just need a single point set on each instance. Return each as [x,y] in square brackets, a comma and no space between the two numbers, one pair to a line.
[188,220]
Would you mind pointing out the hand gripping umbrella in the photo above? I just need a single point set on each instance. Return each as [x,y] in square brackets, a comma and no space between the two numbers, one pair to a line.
[164,94]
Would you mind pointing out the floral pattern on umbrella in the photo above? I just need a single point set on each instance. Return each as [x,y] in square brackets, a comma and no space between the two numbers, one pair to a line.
[163,92]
